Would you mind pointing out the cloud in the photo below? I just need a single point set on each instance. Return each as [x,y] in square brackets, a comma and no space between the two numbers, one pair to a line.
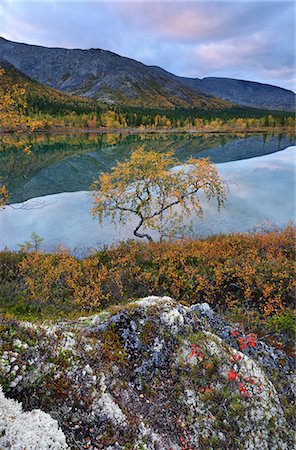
[205,21]
[244,39]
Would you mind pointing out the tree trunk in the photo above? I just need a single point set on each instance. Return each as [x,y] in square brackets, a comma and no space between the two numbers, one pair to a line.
[147,236]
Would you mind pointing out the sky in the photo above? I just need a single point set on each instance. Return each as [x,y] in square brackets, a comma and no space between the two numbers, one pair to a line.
[245,39]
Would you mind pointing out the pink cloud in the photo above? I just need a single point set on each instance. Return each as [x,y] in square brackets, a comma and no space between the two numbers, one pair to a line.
[233,52]
[175,20]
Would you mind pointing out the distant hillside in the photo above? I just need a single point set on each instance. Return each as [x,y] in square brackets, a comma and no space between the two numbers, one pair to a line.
[248,93]
[44,98]
[105,76]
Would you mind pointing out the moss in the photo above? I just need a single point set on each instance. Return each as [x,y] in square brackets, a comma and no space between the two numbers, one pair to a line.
[129,446]
[141,446]
[215,441]
[236,407]
[112,346]
[101,316]
[56,388]
[290,413]
[283,323]
[271,423]
[11,330]
[148,333]
[23,308]
[282,362]
[63,359]
[197,338]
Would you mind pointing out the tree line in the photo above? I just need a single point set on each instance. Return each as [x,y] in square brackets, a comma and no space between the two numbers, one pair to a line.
[116,118]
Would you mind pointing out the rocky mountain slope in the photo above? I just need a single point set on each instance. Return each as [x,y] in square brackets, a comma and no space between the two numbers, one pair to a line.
[105,76]
[152,374]
[42,97]
[247,93]
[111,78]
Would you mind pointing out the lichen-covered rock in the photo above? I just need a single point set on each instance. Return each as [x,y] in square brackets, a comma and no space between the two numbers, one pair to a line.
[152,374]
[34,430]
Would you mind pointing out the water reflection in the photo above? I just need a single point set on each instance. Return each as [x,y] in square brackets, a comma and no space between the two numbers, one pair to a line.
[71,162]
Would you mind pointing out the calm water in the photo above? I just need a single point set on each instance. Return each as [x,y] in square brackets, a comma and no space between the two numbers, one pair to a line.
[70,163]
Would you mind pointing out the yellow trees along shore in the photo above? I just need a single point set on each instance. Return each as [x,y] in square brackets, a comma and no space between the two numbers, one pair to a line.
[26,105]
[13,121]
[145,189]
[13,108]
[184,120]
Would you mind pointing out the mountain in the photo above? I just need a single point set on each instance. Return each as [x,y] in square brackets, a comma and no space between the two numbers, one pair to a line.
[247,93]
[105,76]
[42,97]
[111,78]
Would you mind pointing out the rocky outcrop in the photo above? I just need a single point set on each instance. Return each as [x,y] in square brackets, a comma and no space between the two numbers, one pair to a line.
[34,430]
[151,374]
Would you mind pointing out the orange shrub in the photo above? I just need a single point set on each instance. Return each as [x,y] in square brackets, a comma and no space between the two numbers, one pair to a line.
[255,270]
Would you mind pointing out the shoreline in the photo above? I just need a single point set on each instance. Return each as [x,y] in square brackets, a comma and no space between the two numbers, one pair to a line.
[138,130]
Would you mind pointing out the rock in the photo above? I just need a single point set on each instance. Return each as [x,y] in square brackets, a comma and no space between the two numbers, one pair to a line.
[152,374]
[34,430]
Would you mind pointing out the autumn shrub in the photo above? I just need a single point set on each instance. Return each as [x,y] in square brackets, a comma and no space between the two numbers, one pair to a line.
[10,278]
[9,266]
[59,278]
[46,275]
[256,270]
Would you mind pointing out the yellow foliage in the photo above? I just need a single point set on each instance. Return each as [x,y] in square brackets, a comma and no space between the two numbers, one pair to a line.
[252,270]
[144,187]
[13,120]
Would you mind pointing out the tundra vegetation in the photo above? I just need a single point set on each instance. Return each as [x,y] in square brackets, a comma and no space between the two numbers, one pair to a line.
[132,374]
[248,274]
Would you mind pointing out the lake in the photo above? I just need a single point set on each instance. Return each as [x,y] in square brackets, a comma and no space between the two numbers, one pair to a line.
[71,162]
[61,169]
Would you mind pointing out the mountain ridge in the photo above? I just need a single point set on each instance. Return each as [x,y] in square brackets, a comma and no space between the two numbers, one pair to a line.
[107,77]
[40,97]
[245,92]
[115,79]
